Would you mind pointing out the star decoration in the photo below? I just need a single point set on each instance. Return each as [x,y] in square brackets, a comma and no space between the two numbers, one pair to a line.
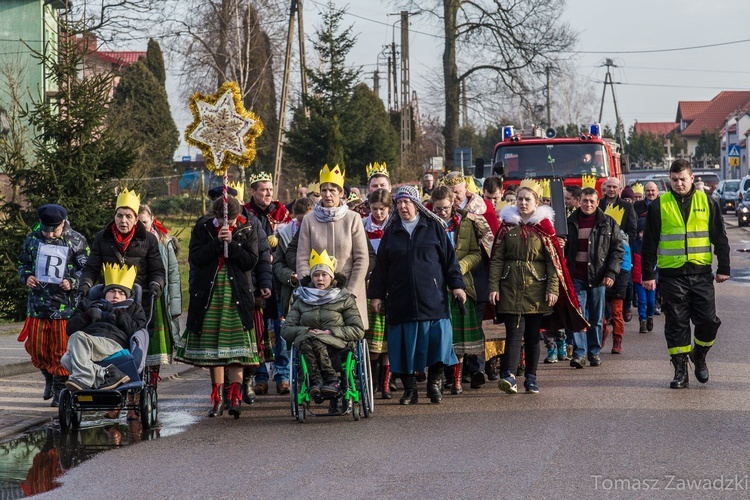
[223,130]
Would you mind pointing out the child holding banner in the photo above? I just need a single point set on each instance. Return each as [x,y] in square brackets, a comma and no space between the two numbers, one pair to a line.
[50,265]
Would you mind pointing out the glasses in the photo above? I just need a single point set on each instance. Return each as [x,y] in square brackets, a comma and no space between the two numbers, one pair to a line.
[441,209]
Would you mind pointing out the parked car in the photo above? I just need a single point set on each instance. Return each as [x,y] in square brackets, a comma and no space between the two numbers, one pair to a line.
[726,194]
[743,210]
[709,179]
[661,182]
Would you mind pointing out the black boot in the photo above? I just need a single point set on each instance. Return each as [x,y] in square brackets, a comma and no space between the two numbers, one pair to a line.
[698,356]
[410,396]
[58,384]
[433,383]
[248,394]
[680,362]
[47,385]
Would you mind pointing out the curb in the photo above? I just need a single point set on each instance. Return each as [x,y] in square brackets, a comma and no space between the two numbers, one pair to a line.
[13,369]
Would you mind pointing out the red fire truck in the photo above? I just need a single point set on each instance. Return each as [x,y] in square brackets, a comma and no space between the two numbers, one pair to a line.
[538,157]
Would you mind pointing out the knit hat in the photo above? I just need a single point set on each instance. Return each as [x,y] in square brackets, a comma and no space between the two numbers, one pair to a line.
[51,216]
[218,191]
[627,193]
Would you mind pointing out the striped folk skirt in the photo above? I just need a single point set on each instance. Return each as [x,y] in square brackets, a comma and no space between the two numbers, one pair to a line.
[46,342]
[377,334]
[161,343]
[224,340]
[467,329]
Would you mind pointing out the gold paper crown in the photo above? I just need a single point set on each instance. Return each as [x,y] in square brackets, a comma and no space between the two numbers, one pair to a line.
[129,199]
[240,188]
[322,258]
[588,181]
[533,185]
[353,198]
[116,275]
[259,177]
[334,176]
[313,187]
[453,179]
[638,188]
[545,188]
[615,212]
[376,169]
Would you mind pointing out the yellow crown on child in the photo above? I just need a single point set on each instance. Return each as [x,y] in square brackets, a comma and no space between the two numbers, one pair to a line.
[259,177]
[588,181]
[615,212]
[545,188]
[128,199]
[114,274]
[333,175]
[240,188]
[322,258]
[313,187]
[533,185]
[638,188]
[376,169]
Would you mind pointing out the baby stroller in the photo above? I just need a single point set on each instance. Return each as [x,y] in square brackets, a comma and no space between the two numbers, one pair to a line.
[132,362]
[355,395]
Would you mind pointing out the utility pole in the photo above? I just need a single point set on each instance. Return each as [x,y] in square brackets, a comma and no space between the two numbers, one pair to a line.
[549,113]
[405,91]
[302,61]
[376,83]
[609,63]
[390,76]
[285,92]
[395,82]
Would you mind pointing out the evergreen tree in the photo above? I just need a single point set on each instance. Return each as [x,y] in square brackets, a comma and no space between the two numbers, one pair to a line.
[74,159]
[141,113]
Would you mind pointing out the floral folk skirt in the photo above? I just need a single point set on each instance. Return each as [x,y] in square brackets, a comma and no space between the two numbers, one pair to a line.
[467,330]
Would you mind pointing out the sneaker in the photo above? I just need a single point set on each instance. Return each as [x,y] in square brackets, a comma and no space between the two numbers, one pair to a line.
[75,385]
[627,315]
[508,384]
[551,355]
[650,323]
[569,351]
[595,360]
[282,387]
[330,388]
[113,378]
[314,390]
[260,388]
[642,327]
[530,384]
[577,362]
[562,350]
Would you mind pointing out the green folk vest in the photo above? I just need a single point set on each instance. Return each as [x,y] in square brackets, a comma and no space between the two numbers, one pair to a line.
[680,243]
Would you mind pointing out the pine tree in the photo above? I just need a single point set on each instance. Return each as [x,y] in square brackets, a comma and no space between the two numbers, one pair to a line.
[155,61]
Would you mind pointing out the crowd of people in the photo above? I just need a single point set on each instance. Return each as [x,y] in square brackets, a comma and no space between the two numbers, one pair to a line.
[415,270]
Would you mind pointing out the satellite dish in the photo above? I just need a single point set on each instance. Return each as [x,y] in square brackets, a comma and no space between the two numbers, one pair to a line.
[550,133]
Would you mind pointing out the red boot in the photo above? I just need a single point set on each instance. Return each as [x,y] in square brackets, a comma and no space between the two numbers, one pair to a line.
[457,389]
[217,401]
[386,387]
[616,344]
[235,399]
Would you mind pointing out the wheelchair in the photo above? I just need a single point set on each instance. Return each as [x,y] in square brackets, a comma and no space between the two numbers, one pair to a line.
[132,362]
[355,396]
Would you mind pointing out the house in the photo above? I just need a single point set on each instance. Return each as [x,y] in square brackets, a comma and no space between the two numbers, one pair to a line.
[106,61]
[696,116]
[733,134]
[659,129]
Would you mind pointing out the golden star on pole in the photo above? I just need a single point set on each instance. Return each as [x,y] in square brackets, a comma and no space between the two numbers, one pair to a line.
[223,129]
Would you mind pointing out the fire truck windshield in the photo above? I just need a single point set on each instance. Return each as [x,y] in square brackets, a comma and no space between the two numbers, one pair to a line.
[553,160]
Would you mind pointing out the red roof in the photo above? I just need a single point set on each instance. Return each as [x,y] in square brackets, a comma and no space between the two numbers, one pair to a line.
[688,110]
[659,129]
[715,114]
[123,59]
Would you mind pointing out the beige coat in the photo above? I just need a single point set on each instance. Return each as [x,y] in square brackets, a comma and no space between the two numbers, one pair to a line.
[346,241]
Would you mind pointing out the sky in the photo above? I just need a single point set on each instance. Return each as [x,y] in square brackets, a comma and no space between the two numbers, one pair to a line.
[649,84]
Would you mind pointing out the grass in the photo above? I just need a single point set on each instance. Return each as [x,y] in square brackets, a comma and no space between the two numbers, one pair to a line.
[181,228]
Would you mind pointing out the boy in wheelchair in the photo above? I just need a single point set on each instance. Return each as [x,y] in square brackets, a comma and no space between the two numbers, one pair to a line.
[101,328]
[323,319]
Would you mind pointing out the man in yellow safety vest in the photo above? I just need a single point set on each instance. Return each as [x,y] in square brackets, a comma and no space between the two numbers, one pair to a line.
[681,227]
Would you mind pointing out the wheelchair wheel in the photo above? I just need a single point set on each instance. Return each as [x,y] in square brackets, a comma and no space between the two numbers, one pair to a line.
[355,412]
[148,407]
[301,413]
[365,379]
[293,382]
[75,415]
[65,410]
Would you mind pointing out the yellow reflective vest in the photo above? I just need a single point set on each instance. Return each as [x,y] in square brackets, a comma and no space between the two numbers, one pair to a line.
[680,243]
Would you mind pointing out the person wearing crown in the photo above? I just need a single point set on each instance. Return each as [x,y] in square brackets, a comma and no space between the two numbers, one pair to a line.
[270,213]
[101,328]
[529,281]
[125,240]
[594,253]
[332,226]
[377,178]
[324,319]
[50,265]
[639,193]
[616,296]
[220,329]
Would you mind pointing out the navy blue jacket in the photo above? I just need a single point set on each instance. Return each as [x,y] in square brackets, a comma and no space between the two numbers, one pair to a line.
[413,274]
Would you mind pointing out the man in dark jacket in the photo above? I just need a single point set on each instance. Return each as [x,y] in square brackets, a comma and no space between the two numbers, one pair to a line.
[651,192]
[100,329]
[611,190]
[593,253]
[680,228]
[125,241]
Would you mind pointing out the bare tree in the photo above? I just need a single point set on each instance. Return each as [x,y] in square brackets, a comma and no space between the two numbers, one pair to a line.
[496,45]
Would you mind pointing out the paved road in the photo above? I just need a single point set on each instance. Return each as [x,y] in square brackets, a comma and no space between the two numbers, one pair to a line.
[611,431]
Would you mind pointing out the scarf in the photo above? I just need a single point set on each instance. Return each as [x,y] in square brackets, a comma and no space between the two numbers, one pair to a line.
[567,311]
[316,296]
[374,231]
[276,213]
[123,240]
[323,214]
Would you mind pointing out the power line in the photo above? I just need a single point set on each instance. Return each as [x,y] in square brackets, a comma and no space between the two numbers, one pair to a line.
[734,72]
[673,49]
[671,86]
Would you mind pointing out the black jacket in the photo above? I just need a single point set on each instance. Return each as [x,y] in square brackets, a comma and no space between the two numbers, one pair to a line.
[117,323]
[606,249]
[629,220]
[143,253]
[413,274]
[205,251]
[652,232]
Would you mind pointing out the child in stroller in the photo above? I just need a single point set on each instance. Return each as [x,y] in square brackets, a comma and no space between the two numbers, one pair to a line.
[323,319]
[102,328]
